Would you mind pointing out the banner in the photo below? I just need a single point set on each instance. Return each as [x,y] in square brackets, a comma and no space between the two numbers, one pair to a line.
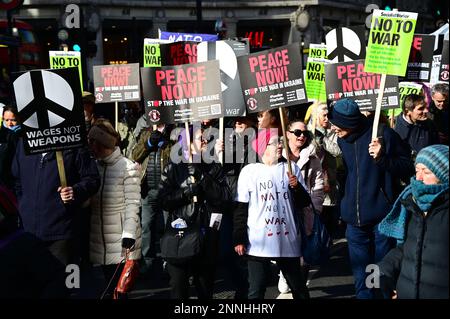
[50,106]
[188,92]
[349,80]
[315,73]
[178,53]
[178,36]
[117,83]
[420,58]
[226,52]
[443,71]
[346,44]
[272,78]
[66,59]
[152,53]
[389,44]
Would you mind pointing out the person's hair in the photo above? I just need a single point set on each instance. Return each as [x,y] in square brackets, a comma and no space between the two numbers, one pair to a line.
[106,126]
[411,101]
[11,109]
[308,133]
[440,88]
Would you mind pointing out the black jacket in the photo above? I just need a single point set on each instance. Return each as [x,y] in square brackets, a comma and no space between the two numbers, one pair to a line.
[28,270]
[420,265]
[8,143]
[418,135]
[214,191]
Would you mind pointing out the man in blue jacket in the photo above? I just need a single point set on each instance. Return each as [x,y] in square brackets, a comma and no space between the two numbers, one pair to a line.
[374,170]
[47,210]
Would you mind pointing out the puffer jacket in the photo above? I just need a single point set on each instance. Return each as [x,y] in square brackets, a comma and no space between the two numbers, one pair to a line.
[420,265]
[115,210]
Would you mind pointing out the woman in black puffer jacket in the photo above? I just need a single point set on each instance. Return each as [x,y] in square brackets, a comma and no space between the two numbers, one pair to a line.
[418,267]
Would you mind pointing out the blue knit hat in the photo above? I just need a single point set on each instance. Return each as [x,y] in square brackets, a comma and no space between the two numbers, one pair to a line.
[435,158]
[345,114]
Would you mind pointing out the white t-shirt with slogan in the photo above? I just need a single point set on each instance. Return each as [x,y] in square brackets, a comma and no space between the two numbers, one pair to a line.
[272,229]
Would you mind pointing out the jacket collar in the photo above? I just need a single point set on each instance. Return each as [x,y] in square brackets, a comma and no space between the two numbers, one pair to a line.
[113,158]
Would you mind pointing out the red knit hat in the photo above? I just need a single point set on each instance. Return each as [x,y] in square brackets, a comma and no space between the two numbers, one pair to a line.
[259,144]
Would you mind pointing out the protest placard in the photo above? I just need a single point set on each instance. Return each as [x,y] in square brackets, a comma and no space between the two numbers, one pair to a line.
[117,83]
[349,80]
[49,104]
[182,93]
[66,59]
[226,52]
[315,73]
[272,78]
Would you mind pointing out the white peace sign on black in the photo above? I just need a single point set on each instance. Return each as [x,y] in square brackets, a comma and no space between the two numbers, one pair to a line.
[207,51]
[44,99]
[338,51]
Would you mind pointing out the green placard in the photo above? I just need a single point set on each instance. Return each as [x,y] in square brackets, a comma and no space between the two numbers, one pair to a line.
[66,59]
[315,73]
[152,55]
[152,52]
[404,89]
[389,43]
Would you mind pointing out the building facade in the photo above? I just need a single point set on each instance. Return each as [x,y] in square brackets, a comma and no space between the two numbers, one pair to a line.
[112,31]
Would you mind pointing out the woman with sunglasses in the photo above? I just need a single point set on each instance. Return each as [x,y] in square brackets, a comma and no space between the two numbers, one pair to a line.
[304,153]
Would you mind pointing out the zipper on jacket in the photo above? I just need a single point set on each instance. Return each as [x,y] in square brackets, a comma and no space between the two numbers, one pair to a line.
[101,216]
[419,255]
[357,185]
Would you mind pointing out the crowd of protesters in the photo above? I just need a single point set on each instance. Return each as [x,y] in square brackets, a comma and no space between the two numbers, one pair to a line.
[246,197]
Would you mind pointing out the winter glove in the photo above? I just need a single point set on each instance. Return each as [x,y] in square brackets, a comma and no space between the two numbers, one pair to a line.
[191,190]
[156,139]
[127,243]
[193,170]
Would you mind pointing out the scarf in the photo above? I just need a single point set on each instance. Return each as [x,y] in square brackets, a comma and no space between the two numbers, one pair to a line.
[425,195]
[394,224]
[14,128]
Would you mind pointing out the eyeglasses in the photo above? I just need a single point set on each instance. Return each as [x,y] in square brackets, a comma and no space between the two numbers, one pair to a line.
[275,142]
[299,133]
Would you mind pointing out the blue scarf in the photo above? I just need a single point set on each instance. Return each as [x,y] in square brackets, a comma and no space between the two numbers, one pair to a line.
[394,224]
[14,128]
[425,195]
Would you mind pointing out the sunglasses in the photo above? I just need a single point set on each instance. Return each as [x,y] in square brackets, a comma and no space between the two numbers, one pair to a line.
[299,133]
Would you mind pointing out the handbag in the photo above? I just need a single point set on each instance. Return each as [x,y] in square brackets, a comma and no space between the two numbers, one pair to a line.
[182,244]
[127,278]
[316,246]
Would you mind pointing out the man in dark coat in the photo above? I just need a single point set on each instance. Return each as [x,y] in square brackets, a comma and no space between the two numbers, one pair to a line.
[47,210]
[414,126]
[374,169]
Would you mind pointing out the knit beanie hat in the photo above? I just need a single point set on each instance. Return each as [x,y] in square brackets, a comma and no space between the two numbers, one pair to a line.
[435,158]
[345,114]
[259,144]
[102,137]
